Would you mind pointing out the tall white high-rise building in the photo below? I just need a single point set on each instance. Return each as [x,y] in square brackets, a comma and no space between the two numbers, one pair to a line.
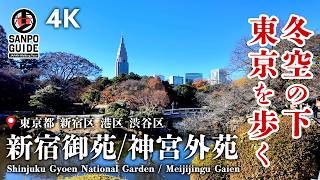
[218,76]
[122,65]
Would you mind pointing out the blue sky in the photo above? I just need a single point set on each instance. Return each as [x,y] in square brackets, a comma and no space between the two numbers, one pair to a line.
[168,37]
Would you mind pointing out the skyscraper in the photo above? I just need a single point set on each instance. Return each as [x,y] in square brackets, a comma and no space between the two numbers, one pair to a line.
[192,77]
[175,80]
[122,65]
[218,76]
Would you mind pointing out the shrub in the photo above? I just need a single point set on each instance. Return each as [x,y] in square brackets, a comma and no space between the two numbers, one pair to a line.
[117,110]
[111,109]
[121,113]
[50,98]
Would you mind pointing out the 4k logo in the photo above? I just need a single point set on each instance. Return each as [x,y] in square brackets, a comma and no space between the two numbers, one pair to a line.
[23,20]
[68,17]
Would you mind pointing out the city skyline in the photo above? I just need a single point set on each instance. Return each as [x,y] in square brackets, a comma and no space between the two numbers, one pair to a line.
[164,37]
[122,67]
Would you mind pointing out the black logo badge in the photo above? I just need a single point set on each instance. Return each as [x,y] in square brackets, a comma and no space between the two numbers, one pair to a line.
[23,20]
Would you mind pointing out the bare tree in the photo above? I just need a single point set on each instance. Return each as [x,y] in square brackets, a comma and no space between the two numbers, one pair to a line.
[152,100]
[228,104]
[240,62]
[65,66]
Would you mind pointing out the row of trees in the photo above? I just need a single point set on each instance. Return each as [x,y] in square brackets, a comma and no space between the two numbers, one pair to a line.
[57,80]
[146,95]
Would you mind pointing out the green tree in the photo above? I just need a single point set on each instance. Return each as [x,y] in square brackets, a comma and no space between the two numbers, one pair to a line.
[186,95]
[117,110]
[171,92]
[91,97]
[121,113]
[133,76]
[111,108]
[101,83]
[124,77]
[50,98]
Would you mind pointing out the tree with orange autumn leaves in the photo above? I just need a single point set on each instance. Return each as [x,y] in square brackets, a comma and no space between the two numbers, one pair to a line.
[198,84]
[147,94]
